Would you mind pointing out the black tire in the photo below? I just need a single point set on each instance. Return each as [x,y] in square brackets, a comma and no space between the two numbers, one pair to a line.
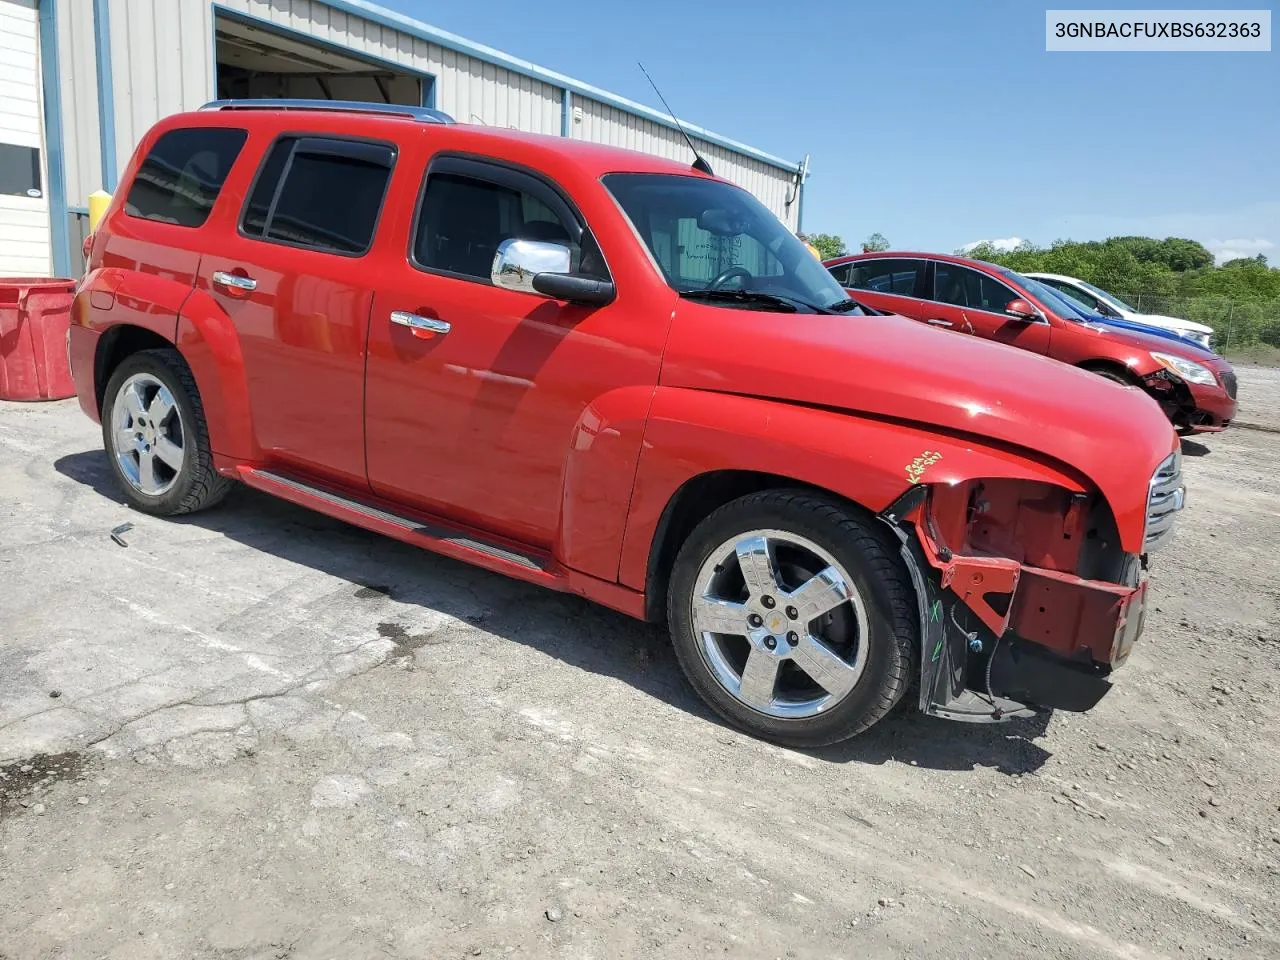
[1115,376]
[197,485]
[871,561]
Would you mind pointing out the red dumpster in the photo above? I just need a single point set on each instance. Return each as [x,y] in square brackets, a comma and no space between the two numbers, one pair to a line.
[35,314]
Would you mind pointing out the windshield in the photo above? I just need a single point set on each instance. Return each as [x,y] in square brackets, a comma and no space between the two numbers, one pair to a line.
[1064,306]
[1107,296]
[706,235]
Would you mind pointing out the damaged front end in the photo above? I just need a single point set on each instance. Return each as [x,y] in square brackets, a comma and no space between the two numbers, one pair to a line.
[1027,601]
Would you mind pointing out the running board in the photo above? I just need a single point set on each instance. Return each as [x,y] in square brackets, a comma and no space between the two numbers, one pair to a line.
[438,537]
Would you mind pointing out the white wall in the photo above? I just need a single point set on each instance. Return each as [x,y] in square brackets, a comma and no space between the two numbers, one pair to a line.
[24,221]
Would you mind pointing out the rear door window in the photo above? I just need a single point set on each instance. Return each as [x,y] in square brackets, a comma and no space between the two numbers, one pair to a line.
[885,275]
[183,174]
[963,287]
[320,193]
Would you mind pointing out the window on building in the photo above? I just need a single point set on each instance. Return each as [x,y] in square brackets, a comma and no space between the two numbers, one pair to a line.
[320,193]
[19,171]
[183,173]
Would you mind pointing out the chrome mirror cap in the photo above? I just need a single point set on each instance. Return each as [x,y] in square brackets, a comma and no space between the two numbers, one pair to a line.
[517,262]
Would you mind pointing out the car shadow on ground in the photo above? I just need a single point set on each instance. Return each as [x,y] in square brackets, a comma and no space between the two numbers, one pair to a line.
[573,630]
[1191,448]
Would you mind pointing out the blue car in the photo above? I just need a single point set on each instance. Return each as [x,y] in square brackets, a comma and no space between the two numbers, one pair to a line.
[1066,305]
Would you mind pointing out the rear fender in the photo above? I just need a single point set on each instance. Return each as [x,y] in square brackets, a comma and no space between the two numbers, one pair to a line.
[208,340]
[112,297]
[870,462]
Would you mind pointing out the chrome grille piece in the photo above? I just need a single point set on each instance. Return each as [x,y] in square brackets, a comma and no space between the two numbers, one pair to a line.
[1228,382]
[1165,498]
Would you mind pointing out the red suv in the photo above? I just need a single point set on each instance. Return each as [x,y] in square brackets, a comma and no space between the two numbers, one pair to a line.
[1194,386]
[620,377]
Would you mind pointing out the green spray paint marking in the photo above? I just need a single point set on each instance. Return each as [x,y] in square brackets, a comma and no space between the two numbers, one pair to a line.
[937,651]
[935,612]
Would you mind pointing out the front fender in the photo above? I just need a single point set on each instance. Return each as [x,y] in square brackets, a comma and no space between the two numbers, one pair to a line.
[208,340]
[868,461]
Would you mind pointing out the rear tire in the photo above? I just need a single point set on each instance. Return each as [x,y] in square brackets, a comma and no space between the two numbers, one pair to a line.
[156,437]
[793,618]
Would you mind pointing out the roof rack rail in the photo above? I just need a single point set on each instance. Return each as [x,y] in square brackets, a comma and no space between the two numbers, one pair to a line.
[421,114]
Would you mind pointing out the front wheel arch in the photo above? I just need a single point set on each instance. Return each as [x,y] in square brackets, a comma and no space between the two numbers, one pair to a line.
[693,501]
[1115,372]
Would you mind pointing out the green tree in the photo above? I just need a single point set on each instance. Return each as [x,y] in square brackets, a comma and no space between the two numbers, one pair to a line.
[1173,276]
[875,243]
[829,244]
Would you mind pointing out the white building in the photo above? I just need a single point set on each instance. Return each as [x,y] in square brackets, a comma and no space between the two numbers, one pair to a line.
[82,80]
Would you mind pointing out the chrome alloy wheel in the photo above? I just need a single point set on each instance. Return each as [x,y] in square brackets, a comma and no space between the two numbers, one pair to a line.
[148,432]
[780,623]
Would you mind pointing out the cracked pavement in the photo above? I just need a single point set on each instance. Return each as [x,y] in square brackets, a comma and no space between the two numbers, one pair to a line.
[278,736]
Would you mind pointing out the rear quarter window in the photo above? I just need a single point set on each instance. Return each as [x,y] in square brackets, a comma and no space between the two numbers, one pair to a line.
[320,193]
[183,174]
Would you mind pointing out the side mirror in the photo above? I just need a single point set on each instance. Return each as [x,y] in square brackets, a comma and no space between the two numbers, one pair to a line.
[542,267]
[1022,310]
[1106,310]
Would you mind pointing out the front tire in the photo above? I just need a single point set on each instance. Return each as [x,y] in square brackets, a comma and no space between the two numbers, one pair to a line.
[156,437]
[793,619]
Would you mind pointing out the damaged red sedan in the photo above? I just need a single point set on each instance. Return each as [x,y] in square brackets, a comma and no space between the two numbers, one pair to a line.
[616,376]
[1194,386]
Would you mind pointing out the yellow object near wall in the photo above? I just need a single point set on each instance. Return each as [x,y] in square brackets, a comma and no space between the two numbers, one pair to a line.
[99,200]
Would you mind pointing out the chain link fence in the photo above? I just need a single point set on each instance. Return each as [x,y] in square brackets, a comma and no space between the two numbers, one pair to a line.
[1235,323]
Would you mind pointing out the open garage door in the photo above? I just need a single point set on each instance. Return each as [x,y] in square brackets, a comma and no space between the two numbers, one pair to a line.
[256,61]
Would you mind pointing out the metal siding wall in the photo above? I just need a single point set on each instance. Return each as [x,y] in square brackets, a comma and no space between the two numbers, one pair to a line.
[602,123]
[24,220]
[82,157]
[161,53]
[469,89]
[162,63]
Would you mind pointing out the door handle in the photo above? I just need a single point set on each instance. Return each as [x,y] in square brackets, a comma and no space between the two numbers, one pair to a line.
[416,323]
[940,323]
[234,281]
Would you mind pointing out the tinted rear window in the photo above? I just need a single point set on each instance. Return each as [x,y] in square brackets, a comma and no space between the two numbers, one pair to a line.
[320,193]
[183,173]
[885,275]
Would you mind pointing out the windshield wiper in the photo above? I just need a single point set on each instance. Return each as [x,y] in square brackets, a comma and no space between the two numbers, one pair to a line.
[844,306]
[781,304]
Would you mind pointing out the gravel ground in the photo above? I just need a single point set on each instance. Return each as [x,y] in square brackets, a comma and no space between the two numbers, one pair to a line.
[1259,396]
[258,733]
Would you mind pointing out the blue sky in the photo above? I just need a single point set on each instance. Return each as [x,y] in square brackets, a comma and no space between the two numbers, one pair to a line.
[938,123]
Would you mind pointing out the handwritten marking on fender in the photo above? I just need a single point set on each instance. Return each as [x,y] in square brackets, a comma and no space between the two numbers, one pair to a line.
[917,467]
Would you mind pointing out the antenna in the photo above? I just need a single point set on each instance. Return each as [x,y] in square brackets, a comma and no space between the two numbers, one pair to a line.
[698,163]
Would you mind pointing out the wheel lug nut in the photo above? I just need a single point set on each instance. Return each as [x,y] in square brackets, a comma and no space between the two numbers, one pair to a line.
[770,642]
[754,620]
[768,602]
[793,638]
[792,613]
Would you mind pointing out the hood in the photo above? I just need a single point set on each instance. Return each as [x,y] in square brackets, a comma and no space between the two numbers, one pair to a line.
[1146,334]
[1144,340]
[1175,322]
[890,367]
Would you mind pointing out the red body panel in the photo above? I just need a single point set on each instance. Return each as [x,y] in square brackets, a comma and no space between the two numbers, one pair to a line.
[484,423]
[562,432]
[1060,338]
